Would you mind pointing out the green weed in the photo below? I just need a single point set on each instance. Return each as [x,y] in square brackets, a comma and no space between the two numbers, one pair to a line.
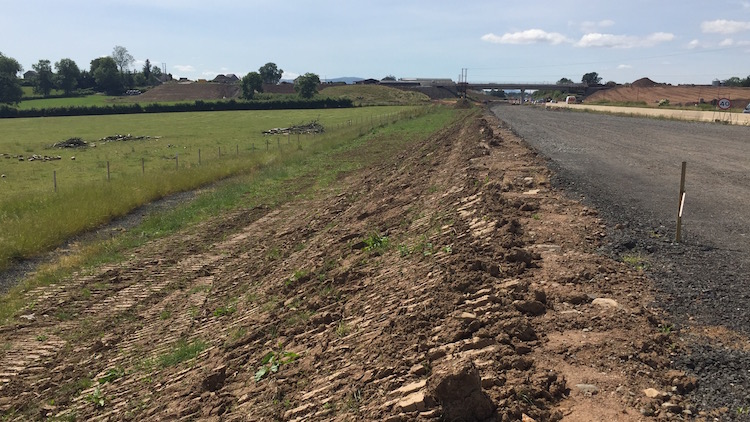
[97,398]
[112,375]
[272,361]
[181,352]
[376,243]
[636,260]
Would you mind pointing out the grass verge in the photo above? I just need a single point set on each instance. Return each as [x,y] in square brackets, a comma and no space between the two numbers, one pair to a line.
[279,180]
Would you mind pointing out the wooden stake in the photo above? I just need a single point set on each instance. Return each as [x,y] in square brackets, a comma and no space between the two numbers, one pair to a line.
[143,166]
[54,179]
[681,204]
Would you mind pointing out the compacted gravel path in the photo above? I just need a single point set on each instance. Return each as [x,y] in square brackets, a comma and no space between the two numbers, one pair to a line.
[629,168]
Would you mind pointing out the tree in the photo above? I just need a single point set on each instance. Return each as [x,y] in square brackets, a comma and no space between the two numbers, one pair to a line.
[45,79]
[733,81]
[122,58]
[155,75]
[67,75]
[389,78]
[106,75]
[591,78]
[270,74]
[307,85]
[147,70]
[251,83]
[564,81]
[10,88]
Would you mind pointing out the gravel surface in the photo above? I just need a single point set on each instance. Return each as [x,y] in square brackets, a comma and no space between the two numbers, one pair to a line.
[629,169]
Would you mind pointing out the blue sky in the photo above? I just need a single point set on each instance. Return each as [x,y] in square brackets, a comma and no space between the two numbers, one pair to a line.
[673,41]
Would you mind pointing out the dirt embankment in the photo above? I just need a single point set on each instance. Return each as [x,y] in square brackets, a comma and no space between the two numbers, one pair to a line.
[175,91]
[448,281]
[652,93]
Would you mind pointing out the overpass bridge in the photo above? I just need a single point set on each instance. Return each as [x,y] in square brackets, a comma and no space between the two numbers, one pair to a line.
[574,88]
[459,89]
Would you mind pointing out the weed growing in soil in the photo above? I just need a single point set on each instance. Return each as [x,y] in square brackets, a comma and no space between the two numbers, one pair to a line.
[376,243]
[636,260]
[182,351]
[225,310]
[343,329]
[273,360]
[97,398]
[112,375]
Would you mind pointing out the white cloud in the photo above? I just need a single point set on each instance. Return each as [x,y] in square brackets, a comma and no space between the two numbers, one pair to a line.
[184,68]
[723,26]
[530,36]
[289,75]
[623,41]
[624,66]
[590,26]
[694,44]
[726,42]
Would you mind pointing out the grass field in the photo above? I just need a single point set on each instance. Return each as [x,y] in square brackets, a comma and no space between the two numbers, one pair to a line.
[319,165]
[89,100]
[33,217]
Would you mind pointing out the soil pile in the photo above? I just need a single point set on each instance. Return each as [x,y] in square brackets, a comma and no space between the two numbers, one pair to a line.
[449,274]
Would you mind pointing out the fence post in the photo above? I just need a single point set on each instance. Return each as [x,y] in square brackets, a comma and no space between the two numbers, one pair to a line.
[678,233]
[143,165]
[54,179]
[238,149]
[177,161]
[199,156]
[219,152]
[108,171]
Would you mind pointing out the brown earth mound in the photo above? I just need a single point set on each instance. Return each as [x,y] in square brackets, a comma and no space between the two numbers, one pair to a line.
[651,93]
[175,91]
[449,274]
[644,83]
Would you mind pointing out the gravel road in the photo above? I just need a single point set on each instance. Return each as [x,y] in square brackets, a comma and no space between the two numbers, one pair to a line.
[629,169]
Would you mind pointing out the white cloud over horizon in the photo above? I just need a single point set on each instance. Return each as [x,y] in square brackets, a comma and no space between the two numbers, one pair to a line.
[723,26]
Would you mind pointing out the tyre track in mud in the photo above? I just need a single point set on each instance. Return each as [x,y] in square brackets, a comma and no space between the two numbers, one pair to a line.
[484,265]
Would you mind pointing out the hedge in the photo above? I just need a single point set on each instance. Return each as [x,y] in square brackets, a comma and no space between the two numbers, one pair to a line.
[198,105]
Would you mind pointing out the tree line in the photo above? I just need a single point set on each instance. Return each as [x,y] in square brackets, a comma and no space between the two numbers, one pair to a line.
[108,74]
[112,76]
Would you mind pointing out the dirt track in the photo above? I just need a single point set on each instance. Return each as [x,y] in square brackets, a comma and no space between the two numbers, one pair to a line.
[629,169]
[449,280]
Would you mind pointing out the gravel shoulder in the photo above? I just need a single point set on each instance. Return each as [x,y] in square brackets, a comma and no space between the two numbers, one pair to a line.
[629,168]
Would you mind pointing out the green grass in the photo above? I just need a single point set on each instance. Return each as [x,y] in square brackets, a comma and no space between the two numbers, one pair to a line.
[375,95]
[319,165]
[182,351]
[86,101]
[206,146]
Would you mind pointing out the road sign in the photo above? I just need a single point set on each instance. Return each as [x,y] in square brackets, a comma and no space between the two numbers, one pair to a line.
[724,103]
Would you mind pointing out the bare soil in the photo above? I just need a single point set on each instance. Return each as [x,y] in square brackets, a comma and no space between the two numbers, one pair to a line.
[681,95]
[175,91]
[450,281]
